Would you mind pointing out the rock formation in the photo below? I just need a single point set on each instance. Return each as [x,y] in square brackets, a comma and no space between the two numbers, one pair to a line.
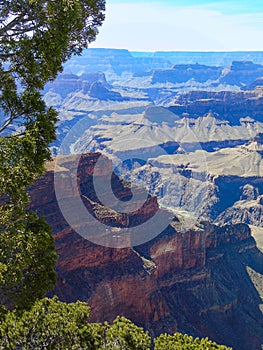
[227,105]
[200,151]
[248,209]
[94,84]
[241,73]
[196,281]
[97,90]
[114,61]
[236,74]
[181,73]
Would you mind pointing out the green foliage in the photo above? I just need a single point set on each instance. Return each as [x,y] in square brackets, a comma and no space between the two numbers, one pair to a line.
[50,324]
[28,253]
[54,325]
[180,341]
[123,334]
[36,38]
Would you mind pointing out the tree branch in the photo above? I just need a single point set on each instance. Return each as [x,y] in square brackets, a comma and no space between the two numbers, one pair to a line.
[12,24]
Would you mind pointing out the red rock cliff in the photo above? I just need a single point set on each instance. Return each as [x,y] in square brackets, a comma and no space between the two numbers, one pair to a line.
[194,281]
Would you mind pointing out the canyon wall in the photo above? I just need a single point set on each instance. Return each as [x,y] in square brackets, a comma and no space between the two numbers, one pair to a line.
[198,281]
[226,105]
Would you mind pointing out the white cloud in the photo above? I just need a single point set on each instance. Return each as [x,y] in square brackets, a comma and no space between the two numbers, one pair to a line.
[155,27]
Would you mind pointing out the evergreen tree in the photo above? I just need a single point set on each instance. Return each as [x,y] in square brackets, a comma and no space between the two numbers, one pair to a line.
[36,38]
[123,334]
[180,341]
[51,325]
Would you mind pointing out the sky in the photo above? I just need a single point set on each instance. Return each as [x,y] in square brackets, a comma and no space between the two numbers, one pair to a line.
[182,25]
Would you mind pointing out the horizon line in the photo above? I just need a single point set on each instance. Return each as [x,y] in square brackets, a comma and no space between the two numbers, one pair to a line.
[173,51]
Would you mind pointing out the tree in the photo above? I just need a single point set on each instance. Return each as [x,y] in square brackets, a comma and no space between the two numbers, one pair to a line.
[51,324]
[180,341]
[30,271]
[36,38]
[125,335]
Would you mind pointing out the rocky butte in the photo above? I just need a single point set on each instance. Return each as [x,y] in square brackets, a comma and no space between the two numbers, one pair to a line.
[226,105]
[206,281]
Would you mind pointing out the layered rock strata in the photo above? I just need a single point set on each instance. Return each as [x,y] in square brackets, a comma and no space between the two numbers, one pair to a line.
[198,281]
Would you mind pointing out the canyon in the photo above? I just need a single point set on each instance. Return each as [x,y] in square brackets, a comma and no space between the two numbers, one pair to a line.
[189,281]
[185,130]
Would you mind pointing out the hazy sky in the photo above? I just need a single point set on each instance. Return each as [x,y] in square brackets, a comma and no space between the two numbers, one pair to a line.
[172,25]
